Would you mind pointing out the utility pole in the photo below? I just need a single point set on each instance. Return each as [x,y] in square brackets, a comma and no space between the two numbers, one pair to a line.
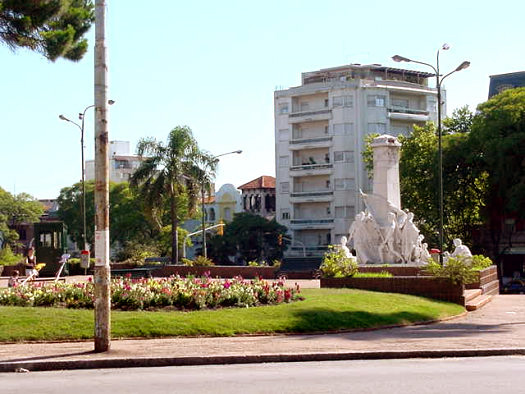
[102,269]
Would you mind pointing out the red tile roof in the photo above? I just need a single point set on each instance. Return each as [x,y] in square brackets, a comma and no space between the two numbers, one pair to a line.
[263,182]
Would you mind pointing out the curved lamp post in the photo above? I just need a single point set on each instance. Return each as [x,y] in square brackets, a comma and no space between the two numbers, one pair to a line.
[81,116]
[215,158]
[439,82]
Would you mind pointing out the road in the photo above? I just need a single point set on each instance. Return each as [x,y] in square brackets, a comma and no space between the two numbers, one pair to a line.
[454,375]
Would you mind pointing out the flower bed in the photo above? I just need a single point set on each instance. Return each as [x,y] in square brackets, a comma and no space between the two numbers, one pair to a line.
[143,294]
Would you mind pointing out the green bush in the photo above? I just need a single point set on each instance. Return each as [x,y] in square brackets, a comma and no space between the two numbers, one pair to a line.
[7,257]
[200,261]
[337,265]
[382,274]
[458,270]
[480,262]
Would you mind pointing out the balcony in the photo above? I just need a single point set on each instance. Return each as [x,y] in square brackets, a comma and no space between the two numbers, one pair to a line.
[307,224]
[310,115]
[311,143]
[402,113]
[311,169]
[312,196]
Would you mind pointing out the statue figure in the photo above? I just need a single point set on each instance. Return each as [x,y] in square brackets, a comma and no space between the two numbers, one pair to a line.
[387,249]
[409,238]
[344,248]
[460,249]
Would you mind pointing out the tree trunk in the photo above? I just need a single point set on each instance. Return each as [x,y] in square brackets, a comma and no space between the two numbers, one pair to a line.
[174,225]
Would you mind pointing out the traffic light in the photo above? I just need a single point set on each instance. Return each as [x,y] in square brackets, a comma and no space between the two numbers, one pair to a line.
[220,229]
[280,239]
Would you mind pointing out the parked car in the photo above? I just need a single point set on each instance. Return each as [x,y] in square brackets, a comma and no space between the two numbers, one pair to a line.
[515,286]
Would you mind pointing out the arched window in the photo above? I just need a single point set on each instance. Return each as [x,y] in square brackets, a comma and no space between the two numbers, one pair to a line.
[212,215]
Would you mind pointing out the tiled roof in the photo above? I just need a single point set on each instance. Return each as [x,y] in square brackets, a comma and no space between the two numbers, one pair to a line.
[263,182]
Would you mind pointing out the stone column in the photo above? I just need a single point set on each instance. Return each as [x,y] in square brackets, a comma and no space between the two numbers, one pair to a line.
[386,171]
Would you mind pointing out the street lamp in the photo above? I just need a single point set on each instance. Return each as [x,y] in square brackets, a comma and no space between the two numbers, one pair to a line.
[81,116]
[439,82]
[215,159]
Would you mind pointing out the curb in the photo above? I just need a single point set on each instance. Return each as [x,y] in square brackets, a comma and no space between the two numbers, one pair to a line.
[251,359]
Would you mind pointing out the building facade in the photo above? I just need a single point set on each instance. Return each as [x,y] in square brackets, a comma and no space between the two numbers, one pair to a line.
[121,163]
[320,130]
[258,196]
[502,82]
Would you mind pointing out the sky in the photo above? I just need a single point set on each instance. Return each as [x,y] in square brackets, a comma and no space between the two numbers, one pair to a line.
[214,66]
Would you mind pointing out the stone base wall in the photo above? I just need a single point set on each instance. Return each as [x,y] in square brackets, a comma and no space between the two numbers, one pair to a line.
[425,286]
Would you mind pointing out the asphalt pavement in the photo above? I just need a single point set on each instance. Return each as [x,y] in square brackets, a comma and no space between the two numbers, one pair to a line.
[496,329]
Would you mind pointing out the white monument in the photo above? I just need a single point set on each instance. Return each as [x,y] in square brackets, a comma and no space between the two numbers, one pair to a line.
[384,233]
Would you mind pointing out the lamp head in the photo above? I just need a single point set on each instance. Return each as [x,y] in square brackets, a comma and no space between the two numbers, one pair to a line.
[445,47]
[111,102]
[398,59]
[63,118]
[238,152]
[463,65]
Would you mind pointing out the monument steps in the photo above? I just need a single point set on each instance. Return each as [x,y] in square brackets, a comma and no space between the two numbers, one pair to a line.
[471,294]
[478,302]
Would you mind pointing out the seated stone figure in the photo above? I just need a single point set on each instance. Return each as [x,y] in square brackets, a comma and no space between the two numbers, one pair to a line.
[344,248]
[460,249]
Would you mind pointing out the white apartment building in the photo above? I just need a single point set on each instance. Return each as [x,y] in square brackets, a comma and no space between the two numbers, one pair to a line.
[121,163]
[320,129]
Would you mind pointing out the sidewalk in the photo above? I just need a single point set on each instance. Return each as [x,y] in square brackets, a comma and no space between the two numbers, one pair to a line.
[496,329]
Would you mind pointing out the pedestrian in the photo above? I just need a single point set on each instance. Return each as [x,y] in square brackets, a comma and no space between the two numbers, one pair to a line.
[31,263]
[13,280]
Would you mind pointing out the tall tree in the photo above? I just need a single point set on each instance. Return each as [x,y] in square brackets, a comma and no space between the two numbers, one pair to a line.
[170,172]
[54,28]
[127,219]
[252,236]
[498,145]
[15,209]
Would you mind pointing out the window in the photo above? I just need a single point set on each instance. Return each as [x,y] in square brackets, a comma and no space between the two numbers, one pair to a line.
[379,128]
[284,135]
[285,214]
[344,184]
[326,103]
[283,161]
[399,103]
[343,128]
[285,187]
[326,129]
[227,214]
[375,100]
[344,212]
[344,156]
[283,108]
[343,101]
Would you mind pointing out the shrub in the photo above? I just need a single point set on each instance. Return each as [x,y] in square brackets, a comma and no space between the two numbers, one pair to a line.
[382,274]
[457,269]
[253,264]
[337,265]
[480,262]
[7,257]
[201,261]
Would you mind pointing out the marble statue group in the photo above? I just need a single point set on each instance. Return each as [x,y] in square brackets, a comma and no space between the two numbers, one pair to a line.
[384,233]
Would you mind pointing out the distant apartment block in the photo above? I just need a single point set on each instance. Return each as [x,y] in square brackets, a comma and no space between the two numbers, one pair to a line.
[320,127]
[502,82]
[121,163]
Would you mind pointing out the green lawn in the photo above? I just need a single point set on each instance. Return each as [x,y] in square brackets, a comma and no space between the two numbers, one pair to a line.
[322,310]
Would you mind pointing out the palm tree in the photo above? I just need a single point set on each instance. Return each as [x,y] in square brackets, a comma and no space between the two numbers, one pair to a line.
[171,171]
